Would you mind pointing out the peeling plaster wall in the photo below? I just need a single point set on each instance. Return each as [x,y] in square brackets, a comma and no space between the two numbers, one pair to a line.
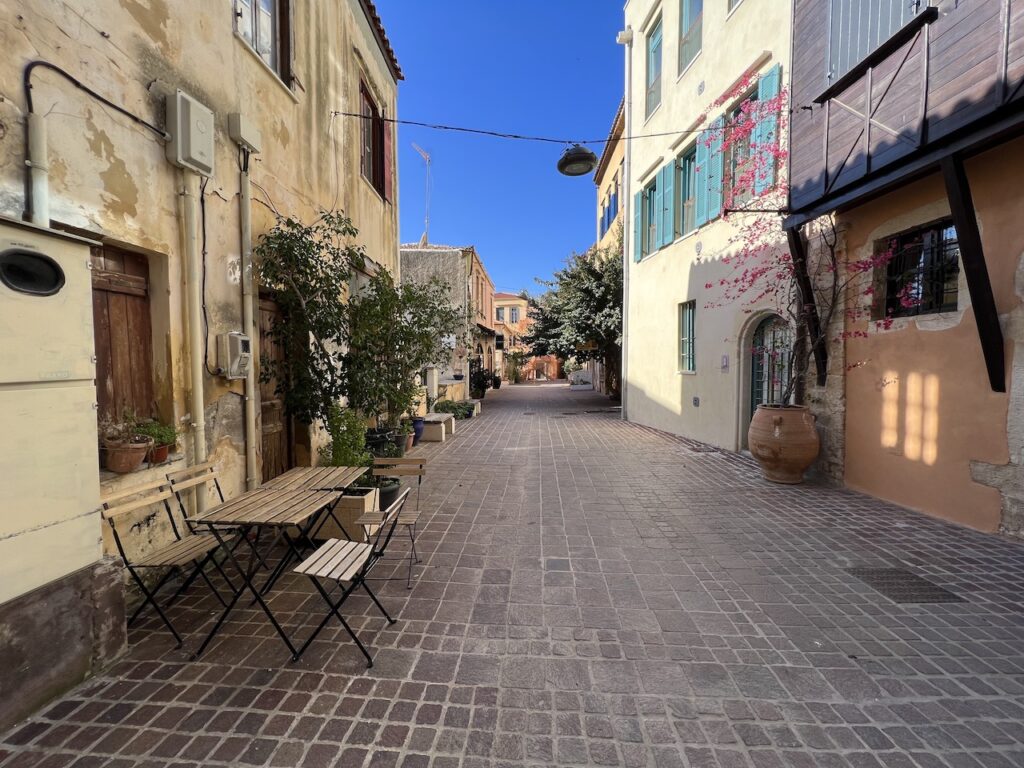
[923,426]
[109,177]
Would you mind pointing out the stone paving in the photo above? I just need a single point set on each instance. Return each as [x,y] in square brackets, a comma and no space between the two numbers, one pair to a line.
[594,593]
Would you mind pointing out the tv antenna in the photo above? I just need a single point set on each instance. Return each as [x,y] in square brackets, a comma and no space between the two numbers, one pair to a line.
[426,216]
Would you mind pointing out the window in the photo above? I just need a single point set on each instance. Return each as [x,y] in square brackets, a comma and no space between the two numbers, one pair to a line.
[514,313]
[733,4]
[738,153]
[375,160]
[923,271]
[654,67]
[651,220]
[687,185]
[265,26]
[858,27]
[687,316]
[499,314]
[123,334]
[691,18]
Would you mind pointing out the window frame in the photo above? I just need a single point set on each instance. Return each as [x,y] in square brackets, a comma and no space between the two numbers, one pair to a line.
[894,280]
[513,314]
[687,335]
[732,168]
[685,31]
[652,87]
[278,56]
[372,165]
[649,218]
[686,181]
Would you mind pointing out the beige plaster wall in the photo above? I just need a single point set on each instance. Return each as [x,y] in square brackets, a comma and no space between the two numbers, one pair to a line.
[757,32]
[920,410]
[110,179]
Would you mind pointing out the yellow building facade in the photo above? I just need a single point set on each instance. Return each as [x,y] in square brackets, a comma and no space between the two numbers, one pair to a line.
[691,66]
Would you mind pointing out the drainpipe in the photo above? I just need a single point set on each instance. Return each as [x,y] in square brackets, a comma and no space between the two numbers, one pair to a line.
[625,38]
[195,325]
[38,170]
[245,226]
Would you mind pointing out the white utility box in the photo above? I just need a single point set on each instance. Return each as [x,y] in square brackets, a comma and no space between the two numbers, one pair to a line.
[234,355]
[192,133]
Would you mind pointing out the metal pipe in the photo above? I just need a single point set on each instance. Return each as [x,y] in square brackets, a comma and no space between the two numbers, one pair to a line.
[196,342]
[248,326]
[626,38]
[38,170]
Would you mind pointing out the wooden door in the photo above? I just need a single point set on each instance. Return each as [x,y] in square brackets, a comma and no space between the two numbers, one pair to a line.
[278,448]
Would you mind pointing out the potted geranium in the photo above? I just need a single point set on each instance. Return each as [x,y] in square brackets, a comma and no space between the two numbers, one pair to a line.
[122,444]
[164,436]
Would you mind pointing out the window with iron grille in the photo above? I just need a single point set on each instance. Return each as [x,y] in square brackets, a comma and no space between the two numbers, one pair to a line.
[654,67]
[858,27]
[922,272]
[687,320]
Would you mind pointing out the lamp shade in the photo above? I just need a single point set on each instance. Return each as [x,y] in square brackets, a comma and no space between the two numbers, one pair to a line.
[577,160]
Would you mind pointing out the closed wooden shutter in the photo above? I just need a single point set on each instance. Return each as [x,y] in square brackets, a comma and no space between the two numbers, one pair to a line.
[716,166]
[638,237]
[668,209]
[703,164]
[389,161]
[766,131]
[123,331]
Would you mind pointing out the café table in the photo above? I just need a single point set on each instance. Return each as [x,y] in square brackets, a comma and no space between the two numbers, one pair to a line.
[289,514]
[319,479]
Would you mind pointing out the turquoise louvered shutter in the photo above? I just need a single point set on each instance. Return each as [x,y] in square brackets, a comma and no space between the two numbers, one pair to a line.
[700,193]
[668,209]
[638,240]
[766,131]
[658,201]
[716,164]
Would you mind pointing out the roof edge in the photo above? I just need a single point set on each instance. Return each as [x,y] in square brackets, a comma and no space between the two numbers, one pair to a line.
[370,11]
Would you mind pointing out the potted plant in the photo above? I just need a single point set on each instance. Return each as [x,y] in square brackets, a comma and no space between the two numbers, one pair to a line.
[479,380]
[409,434]
[124,447]
[496,382]
[165,437]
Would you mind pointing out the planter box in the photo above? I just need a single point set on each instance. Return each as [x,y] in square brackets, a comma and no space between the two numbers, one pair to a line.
[354,504]
[438,426]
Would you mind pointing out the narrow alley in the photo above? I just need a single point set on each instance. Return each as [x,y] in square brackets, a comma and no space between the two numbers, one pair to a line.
[593,592]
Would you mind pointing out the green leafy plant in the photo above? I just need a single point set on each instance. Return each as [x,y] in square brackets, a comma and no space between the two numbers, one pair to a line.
[480,380]
[394,331]
[347,447]
[457,409]
[308,266]
[120,431]
[162,434]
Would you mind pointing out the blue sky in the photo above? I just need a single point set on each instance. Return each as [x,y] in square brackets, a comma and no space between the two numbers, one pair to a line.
[541,67]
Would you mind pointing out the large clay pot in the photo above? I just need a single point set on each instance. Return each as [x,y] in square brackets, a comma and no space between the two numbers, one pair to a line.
[784,441]
[124,456]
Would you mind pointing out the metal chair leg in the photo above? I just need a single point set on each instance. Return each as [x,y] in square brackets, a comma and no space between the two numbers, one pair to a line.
[364,585]
[151,598]
[163,580]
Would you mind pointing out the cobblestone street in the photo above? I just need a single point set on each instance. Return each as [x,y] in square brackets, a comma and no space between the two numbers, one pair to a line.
[593,593]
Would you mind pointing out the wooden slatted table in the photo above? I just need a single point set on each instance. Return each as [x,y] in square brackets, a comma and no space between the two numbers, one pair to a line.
[317,478]
[281,510]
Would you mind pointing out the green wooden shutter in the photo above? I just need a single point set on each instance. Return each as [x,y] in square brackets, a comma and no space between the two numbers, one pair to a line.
[668,210]
[658,201]
[638,239]
[766,131]
[716,164]
[700,194]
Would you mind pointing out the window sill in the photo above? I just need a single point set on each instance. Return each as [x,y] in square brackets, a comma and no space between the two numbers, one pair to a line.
[269,70]
[688,67]
[376,191]
[653,112]
[686,373]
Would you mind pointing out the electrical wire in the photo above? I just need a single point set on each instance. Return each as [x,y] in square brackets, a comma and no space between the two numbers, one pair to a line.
[514,136]
[27,85]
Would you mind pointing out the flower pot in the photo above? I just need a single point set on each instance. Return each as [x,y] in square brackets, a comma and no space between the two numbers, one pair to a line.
[158,454]
[417,429]
[410,440]
[376,438]
[125,457]
[784,441]
[496,383]
[389,494]
[458,376]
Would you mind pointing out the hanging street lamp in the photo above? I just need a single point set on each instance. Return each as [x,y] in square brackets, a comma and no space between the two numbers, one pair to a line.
[577,160]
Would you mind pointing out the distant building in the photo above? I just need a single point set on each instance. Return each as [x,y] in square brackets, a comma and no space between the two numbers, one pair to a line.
[470,288]
[512,321]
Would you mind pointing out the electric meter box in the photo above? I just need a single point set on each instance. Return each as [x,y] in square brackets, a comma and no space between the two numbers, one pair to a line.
[234,355]
[191,127]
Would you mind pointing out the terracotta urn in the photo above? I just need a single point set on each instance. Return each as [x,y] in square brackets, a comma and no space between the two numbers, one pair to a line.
[784,441]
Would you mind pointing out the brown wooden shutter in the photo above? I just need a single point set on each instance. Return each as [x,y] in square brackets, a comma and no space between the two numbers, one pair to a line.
[389,163]
[123,332]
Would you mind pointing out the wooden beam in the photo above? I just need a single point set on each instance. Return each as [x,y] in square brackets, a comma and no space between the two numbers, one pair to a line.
[809,308]
[972,255]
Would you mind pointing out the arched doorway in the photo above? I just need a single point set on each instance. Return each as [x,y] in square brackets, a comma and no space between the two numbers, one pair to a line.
[771,361]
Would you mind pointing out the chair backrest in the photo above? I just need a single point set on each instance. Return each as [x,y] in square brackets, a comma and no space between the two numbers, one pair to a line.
[197,477]
[133,499]
[388,522]
[383,466]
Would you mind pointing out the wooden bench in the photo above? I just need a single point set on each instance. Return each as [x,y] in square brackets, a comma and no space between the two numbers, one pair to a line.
[437,427]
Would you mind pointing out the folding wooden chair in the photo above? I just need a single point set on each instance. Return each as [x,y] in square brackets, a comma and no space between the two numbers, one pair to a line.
[405,467]
[188,549]
[197,477]
[347,563]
